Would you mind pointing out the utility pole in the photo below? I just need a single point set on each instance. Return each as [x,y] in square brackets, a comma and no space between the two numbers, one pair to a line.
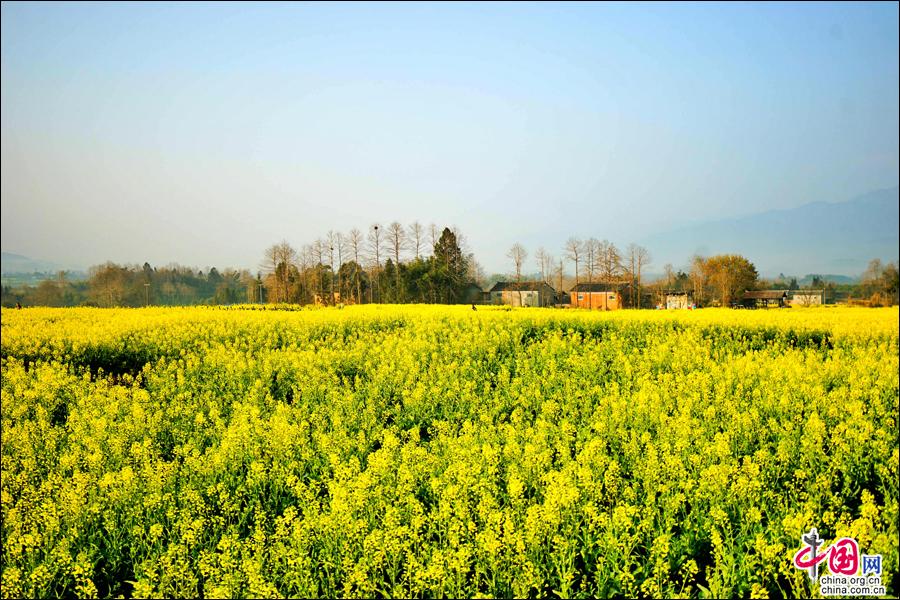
[377,261]
[561,275]
[147,290]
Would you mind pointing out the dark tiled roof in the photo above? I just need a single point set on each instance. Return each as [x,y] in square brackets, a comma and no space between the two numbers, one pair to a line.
[599,287]
[522,286]
[765,295]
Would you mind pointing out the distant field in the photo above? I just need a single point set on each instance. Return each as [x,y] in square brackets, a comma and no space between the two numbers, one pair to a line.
[19,279]
[439,451]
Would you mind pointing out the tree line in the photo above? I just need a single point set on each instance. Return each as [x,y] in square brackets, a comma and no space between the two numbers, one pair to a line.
[592,261]
[111,284]
[393,264]
[716,280]
[413,263]
[720,281]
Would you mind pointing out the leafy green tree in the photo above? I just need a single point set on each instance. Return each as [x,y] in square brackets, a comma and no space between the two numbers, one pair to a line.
[388,282]
[109,284]
[890,280]
[419,280]
[354,281]
[880,283]
[213,277]
[48,293]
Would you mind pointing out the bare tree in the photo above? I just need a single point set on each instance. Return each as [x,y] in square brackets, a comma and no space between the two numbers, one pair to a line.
[287,260]
[340,244]
[559,273]
[461,240]
[435,234]
[698,277]
[609,262]
[669,275]
[375,243]
[636,259]
[518,254]
[573,253]
[591,248]
[270,265]
[396,239]
[250,283]
[643,260]
[416,235]
[544,263]
[630,265]
[288,255]
[109,283]
[474,271]
[331,240]
[356,245]
[320,250]
[307,263]
[304,264]
[873,271]
[280,258]
[609,265]
[805,298]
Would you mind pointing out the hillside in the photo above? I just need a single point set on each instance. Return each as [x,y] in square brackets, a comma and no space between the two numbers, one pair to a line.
[837,238]
[16,263]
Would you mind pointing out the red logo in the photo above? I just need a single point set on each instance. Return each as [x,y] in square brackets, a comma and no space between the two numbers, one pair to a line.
[842,555]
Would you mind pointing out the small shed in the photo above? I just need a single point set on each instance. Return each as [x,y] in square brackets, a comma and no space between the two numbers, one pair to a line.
[472,294]
[599,296]
[563,300]
[678,300]
[522,293]
[323,298]
[807,297]
[764,299]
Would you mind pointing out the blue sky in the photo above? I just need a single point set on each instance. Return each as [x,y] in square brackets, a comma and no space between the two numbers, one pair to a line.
[201,133]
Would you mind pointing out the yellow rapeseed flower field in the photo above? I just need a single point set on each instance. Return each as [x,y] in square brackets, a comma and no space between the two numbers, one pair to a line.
[423,451]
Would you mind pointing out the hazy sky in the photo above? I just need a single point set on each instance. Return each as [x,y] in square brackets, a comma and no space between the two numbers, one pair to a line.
[203,133]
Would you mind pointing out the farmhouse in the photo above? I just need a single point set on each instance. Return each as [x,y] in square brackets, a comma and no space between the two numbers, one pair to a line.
[764,299]
[600,296]
[675,299]
[523,293]
[807,297]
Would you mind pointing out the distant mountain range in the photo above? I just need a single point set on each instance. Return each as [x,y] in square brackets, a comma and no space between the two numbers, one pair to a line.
[839,238]
[11,264]
[836,240]
[802,281]
[807,280]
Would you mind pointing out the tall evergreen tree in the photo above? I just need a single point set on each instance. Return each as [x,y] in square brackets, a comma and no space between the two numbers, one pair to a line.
[450,266]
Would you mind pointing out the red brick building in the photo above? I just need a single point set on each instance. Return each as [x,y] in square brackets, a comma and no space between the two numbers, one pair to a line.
[600,296]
